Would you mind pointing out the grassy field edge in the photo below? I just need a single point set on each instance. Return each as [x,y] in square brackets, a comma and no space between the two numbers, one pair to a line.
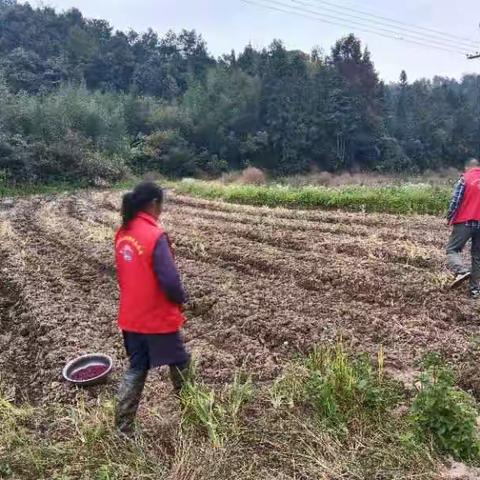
[328,413]
[407,199]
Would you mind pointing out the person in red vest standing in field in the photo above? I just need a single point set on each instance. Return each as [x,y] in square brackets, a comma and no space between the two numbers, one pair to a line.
[151,295]
[464,216]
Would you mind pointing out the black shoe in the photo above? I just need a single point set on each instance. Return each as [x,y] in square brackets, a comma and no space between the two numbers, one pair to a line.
[475,293]
[459,279]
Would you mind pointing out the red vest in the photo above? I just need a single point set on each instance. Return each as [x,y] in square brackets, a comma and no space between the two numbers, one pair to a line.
[144,308]
[469,208]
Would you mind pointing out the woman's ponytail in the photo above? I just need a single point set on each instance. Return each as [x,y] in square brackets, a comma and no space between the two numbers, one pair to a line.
[128,209]
[136,201]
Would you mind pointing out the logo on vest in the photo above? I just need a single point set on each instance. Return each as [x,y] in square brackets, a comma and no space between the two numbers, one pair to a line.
[127,253]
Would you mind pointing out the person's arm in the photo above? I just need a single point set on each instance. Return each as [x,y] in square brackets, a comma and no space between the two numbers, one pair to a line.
[167,273]
[456,200]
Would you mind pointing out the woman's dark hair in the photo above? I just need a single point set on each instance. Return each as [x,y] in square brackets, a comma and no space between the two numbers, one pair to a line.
[136,201]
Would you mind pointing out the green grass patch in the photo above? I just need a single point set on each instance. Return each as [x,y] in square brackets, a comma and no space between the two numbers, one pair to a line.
[352,400]
[407,199]
[217,415]
[344,391]
[28,189]
[77,442]
[443,414]
[24,190]
[341,392]
[331,414]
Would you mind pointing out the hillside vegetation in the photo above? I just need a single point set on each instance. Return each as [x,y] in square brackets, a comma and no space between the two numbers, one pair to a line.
[84,103]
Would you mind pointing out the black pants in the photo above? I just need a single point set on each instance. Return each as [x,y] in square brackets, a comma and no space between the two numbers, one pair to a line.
[150,350]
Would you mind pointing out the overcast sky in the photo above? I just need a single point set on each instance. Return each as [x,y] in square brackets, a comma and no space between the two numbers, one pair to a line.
[231,24]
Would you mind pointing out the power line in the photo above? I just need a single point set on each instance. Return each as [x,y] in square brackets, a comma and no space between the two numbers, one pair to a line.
[404,26]
[378,29]
[373,23]
[344,24]
[277,6]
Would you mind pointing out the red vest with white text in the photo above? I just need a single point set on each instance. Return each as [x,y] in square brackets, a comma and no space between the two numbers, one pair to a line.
[144,308]
[469,208]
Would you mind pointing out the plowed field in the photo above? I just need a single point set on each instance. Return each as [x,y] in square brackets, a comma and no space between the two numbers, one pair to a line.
[264,285]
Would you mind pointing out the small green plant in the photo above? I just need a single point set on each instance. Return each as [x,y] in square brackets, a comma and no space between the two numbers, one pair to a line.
[444,414]
[200,408]
[105,473]
[217,415]
[289,388]
[237,394]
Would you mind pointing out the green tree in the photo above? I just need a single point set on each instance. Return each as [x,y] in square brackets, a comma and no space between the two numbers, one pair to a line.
[362,97]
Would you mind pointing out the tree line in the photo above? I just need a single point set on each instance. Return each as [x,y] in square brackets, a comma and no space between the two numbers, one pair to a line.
[80,100]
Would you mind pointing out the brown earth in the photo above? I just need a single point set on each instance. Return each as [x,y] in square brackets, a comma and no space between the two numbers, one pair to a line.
[264,283]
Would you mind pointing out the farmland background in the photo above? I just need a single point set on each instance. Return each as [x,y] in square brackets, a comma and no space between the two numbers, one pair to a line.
[83,103]
[309,329]
[326,342]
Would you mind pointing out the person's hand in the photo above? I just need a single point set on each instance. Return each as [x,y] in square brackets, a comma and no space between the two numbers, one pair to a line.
[171,245]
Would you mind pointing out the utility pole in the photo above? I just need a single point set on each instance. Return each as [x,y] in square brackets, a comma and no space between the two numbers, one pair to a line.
[474,56]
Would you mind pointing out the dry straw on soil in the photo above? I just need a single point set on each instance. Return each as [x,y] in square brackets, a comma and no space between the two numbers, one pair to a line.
[264,285]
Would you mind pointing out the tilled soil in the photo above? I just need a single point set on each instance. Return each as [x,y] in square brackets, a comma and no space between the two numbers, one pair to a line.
[264,285]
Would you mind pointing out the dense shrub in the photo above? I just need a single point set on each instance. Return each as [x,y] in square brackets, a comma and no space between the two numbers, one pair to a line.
[167,152]
[68,135]
[253,176]
[71,159]
[443,413]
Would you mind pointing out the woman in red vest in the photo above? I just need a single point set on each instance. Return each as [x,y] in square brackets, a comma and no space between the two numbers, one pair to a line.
[151,295]
[464,216]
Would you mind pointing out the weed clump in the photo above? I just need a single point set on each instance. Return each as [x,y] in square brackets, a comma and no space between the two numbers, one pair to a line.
[217,415]
[344,391]
[340,391]
[252,176]
[443,414]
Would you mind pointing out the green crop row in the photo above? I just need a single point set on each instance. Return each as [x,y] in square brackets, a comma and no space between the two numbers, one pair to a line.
[407,199]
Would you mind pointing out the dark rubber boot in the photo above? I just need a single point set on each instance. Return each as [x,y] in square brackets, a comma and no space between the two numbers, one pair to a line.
[128,399]
[179,374]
